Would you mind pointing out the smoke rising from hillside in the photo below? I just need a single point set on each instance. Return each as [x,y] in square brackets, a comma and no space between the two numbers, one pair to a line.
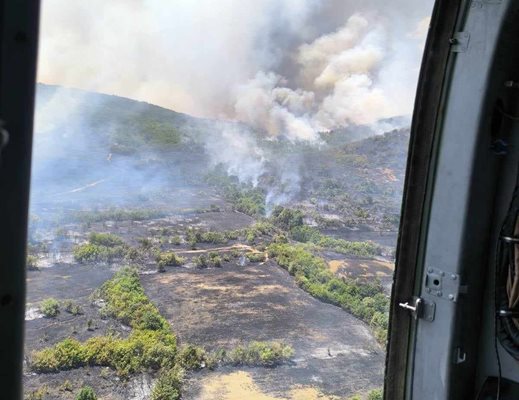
[286,67]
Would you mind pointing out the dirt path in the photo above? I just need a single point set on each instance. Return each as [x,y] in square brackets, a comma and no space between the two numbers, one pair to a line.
[227,248]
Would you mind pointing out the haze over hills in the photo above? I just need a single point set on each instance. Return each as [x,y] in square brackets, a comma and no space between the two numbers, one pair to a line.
[111,150]
[244,250]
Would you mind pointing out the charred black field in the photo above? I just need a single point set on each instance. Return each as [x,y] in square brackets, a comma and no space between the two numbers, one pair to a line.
[159,269]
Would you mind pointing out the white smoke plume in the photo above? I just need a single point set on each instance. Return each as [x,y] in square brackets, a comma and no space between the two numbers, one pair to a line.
[287,68]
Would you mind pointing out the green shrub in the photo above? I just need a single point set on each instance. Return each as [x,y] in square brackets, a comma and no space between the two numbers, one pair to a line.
[145,243]
[32,263]
[192,357]
[86,393]
[375,394]
[255,257]
[258,230]
[261,354]
[38,394]
[193,236]
[232,235]
[286,218]
[90,252]
[170,259]
[49,307]
[211,260]
[176,240]
[214,260]
[72,307]
[168,385]
[213,237]
[105,239]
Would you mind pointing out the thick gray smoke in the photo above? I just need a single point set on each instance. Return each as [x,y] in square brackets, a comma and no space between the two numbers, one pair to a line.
[286,68]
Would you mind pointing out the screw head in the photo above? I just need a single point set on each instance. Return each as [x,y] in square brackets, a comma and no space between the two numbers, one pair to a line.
[439,294]
[451,297]
[454,277]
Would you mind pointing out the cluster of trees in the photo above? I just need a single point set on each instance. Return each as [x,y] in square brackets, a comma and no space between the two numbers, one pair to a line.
[244,197]
[366,301]
[101,247]
[292,221]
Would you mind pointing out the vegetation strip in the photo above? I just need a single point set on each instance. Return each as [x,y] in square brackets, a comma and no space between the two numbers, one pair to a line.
[364,300]
[150,345]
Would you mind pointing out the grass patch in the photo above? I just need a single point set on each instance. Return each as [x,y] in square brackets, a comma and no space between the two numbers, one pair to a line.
[364,300]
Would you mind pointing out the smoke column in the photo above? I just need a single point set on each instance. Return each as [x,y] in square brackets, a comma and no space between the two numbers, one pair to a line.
[285,68]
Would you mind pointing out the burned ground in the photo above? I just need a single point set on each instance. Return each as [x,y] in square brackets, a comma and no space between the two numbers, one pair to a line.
[236,304]
[240,302]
